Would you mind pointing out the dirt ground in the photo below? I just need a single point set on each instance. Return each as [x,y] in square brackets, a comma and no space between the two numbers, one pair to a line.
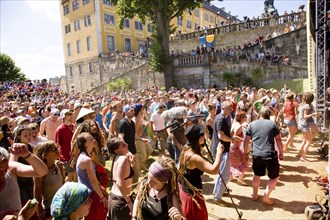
[295,190]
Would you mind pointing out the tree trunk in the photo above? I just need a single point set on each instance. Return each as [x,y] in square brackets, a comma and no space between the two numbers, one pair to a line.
[163,26]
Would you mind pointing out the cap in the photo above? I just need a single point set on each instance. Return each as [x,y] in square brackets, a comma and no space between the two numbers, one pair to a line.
[77,105]
[193,132]
[64,112]
[137,107]
[55,111]
[71,102]
[127,107]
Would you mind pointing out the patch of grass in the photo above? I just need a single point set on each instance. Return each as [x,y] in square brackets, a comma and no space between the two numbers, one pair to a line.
[297,86]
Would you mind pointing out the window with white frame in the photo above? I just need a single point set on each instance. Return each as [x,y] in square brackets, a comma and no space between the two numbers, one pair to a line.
[87,20]
[138,25]
[206,17]
[75,5]
[78,46]
[196,26]
[107,2]
[71,71]
[66,9]
[85,2]
[69,50]
[128,45]
[150,28]
[76,25]
[127,23]
[189,23]
[111,43]
[179,21]
[90,67]
[67,28]
[109,19]
[196,13]
[211,19]
[80,69]
[89,43]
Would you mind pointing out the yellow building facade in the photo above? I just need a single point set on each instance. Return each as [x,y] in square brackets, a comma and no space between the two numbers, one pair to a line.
[90,29]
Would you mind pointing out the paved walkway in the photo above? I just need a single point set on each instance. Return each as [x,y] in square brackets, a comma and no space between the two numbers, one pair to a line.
[295,190]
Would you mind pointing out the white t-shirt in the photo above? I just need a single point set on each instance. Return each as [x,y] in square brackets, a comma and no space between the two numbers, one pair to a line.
[158,122]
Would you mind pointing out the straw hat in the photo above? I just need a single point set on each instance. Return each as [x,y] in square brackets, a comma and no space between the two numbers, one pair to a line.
[83,112]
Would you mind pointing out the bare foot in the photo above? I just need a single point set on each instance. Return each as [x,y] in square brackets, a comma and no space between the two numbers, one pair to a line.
[241,182]
[304,159]
[255,197]
[267,201]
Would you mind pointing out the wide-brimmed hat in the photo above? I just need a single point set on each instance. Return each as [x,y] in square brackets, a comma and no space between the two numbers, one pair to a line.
[83,112]
[193,132]
[4,120]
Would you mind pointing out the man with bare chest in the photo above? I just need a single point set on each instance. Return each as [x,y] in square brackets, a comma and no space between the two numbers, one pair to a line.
[50,124]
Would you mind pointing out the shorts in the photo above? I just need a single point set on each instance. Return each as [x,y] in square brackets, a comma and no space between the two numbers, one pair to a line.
[305,128]
[290,123]
[260,166]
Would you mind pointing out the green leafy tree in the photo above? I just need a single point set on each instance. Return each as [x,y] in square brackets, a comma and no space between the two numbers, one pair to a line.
[228,77]
[258,75]
[8,70]
[159,13]
[120,84]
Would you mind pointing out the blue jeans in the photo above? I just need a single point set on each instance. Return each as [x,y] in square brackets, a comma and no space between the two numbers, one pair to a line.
[219,187]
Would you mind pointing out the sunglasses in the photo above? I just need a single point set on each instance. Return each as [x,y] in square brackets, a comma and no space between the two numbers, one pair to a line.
[56,114]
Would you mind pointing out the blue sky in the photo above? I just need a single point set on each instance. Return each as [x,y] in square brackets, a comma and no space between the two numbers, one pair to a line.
[30,31]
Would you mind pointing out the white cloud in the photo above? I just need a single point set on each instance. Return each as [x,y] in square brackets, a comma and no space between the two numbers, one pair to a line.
[50,8]
[41,63]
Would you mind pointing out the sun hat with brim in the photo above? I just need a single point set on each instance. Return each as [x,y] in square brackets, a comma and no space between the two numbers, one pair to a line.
[83,112]
[4,120]
[21,120]
[193,132]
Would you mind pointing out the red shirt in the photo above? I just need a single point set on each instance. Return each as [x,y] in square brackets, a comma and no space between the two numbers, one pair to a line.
[289,110]
[63,136]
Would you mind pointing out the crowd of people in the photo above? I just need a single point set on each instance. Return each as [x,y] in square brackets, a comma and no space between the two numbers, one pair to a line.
[54,148]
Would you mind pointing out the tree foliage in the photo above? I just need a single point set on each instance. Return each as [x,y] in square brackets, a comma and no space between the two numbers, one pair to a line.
[159,13]
[228,77]
[258,75]
[8,70]
[120,84]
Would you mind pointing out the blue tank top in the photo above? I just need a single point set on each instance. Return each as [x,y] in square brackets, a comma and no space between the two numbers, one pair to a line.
[82,174]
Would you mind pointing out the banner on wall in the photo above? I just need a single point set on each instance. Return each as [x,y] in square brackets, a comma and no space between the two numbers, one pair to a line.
[208,40]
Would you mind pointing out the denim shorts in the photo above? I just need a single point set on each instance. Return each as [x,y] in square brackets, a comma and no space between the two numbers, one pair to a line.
[304,128]
[290,123]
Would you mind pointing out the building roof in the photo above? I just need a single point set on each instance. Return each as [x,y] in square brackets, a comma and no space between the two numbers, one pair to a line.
[219,11]
[54,81]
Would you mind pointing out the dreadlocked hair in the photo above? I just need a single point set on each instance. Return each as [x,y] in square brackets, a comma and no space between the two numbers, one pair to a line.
[172,184]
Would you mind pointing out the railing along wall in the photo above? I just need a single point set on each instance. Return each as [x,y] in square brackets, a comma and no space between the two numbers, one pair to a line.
[271,21]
